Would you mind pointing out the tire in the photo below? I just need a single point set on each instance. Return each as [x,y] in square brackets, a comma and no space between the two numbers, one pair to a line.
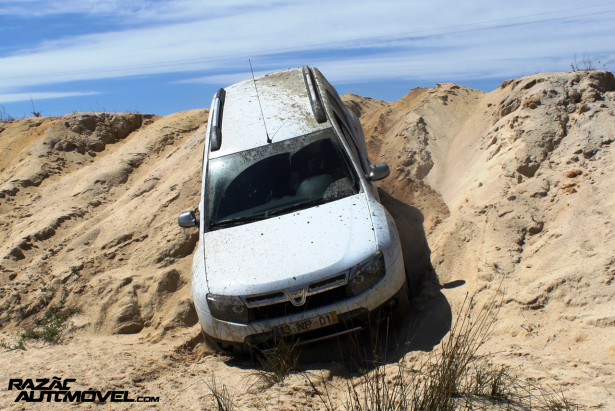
[403,304]
[378,333]
[226,347]
[414,280]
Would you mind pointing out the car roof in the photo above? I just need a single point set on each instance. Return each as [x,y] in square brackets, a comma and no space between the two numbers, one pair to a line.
[285,105]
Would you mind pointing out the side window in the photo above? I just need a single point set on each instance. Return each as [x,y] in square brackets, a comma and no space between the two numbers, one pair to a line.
[341,121]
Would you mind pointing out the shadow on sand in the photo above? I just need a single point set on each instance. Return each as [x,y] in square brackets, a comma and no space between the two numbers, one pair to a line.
[430,317]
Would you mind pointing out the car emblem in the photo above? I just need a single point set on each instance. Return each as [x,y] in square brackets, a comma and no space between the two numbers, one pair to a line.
[296,296]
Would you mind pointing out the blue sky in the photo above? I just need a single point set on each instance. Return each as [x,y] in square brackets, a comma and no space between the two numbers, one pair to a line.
[164,56]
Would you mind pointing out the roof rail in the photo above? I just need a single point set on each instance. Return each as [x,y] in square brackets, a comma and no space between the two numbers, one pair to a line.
[216,125]
[314,95]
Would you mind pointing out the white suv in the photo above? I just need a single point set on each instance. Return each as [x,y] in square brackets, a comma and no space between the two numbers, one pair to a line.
[293,242]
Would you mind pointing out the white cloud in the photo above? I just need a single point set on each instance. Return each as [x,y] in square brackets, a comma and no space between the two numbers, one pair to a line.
[143,10]
[14,97]
[41,8]
[476,53]
[360,40]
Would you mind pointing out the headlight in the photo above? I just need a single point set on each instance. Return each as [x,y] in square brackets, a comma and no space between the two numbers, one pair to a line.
[227,308]
[367,273]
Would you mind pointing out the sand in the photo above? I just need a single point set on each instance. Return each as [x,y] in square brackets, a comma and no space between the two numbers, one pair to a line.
[508,195]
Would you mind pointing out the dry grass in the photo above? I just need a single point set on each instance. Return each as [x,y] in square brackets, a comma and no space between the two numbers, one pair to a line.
[221,398]
[3,114]
[278,362]
[587,63]
[455,376]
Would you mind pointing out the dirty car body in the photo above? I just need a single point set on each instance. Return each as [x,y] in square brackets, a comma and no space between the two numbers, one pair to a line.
[293,242]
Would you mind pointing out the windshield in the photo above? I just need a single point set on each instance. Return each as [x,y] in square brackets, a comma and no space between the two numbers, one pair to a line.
[277,178]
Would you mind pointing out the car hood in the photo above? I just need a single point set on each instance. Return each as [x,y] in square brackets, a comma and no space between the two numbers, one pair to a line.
[291,249]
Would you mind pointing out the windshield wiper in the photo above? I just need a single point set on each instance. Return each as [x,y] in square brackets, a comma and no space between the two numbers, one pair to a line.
[298,206]
[247,219]
[236,221]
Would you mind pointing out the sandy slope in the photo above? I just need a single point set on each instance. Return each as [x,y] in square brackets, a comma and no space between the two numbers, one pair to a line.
[513,190]
[526,173]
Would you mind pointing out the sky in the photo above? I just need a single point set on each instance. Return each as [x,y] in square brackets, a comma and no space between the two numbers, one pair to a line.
[165,56]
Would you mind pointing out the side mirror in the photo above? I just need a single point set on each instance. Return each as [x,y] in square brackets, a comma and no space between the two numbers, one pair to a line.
[187,219]
[379,171]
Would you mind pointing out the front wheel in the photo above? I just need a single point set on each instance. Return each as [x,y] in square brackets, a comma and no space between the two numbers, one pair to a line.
[402,305]
[226,347]
[414,281]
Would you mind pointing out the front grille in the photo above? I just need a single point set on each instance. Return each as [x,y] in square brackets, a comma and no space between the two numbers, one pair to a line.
[285,308]
[316,294]
[332,282]
[265,299]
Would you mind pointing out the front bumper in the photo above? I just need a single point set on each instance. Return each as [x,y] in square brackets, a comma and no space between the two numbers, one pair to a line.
[356,313]
[349,322]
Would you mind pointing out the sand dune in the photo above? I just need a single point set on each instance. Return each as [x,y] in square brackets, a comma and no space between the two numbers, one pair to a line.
[509,194]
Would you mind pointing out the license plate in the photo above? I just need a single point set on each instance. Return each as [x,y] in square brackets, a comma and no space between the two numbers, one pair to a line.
[310,324]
